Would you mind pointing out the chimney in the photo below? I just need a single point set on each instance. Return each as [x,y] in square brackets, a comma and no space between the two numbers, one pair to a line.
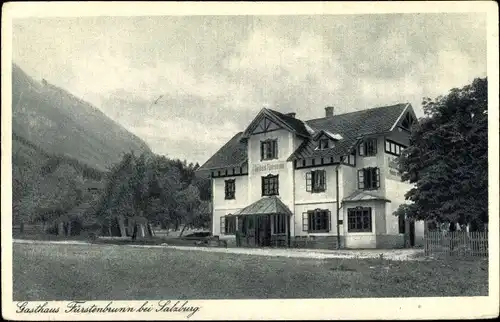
[291,114]
[329,111]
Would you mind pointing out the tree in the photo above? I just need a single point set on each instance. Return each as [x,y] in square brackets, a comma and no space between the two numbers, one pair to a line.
[447,160]
[165,181]
[188,205]
[163,190]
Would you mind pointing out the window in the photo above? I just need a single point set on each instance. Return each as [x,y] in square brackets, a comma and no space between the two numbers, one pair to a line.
[369,178]
[394,148]
[269,149]
[316,181]
[270,185]
[324,144]
[230,187]
[228,225]
[316,220]
[368,147]
[359,219]
[279,224]
[407,122]
[351,159]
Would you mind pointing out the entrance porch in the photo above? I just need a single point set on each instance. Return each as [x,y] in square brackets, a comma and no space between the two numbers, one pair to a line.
[264,223]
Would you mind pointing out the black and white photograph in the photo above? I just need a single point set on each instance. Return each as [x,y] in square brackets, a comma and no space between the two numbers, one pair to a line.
[161,163]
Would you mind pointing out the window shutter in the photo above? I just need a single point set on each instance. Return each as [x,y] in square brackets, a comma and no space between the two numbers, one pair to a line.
[361,179]
[275,149]
[374,142]
[329,225]
[222,225]
[305,221]
[309,181]
[261,150]
[361,149]
[377,174]
[323,179]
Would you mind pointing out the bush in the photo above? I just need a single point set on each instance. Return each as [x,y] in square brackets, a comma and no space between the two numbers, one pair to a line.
[52,230]
[199,234]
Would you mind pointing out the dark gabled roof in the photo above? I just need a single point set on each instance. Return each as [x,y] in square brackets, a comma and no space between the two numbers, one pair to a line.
[296,124]
[232,154]
[351,126]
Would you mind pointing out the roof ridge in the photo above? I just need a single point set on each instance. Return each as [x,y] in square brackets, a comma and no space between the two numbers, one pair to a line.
[360,111]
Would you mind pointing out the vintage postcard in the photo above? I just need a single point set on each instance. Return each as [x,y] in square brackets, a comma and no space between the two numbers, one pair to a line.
[250,160]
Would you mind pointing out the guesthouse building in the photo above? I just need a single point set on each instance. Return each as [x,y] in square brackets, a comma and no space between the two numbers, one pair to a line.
[330,182]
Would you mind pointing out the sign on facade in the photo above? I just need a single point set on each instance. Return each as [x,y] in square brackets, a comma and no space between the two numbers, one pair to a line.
[393,172]
[268,167]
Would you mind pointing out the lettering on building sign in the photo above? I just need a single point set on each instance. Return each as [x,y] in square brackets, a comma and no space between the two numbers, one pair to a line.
[393,172]
[268,167]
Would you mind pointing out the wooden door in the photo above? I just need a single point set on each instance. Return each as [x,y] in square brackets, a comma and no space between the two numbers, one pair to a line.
[412,233]
[264,231]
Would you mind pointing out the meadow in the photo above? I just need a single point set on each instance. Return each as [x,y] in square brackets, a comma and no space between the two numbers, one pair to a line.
[121,272]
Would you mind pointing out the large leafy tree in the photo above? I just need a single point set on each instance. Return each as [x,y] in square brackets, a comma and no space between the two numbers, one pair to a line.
[188,205]
[447,160]
[163,190]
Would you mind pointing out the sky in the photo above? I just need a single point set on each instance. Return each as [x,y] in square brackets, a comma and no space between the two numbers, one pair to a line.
[215,73]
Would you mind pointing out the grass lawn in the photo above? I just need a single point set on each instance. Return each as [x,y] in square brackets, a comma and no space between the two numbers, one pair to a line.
[118,272]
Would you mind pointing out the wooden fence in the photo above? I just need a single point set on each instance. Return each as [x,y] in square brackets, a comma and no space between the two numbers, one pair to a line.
[456,243]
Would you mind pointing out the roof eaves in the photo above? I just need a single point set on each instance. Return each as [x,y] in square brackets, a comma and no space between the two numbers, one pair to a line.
[400,116]
[273,116]
[225,166]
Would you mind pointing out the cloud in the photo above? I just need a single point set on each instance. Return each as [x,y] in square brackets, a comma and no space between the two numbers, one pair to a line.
[216,72]
[201,138]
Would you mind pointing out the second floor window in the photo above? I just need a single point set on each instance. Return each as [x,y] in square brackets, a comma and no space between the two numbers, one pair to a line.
[229,188]
[269,149]
[369,178]
[368,148]
[270,185]
[316,181]
[393,147]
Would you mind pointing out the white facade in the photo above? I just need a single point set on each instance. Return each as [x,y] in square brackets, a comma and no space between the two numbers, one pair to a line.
[385,227]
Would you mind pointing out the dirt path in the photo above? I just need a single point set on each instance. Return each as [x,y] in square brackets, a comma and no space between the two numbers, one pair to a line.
[390,254]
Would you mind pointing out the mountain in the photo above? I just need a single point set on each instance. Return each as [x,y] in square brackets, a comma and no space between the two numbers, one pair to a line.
[62,148]
[60,123]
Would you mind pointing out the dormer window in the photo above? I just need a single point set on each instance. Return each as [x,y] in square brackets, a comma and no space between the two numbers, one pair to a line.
[324,144]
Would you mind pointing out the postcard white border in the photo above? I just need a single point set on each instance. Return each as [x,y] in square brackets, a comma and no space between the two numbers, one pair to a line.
[370,308]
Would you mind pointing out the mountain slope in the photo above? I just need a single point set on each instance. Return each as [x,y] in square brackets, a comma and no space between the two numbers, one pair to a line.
[60,123]
[61,145]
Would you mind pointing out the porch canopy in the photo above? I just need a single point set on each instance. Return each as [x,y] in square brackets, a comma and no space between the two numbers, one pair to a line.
[263,223]
[265,206]
[363,196]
